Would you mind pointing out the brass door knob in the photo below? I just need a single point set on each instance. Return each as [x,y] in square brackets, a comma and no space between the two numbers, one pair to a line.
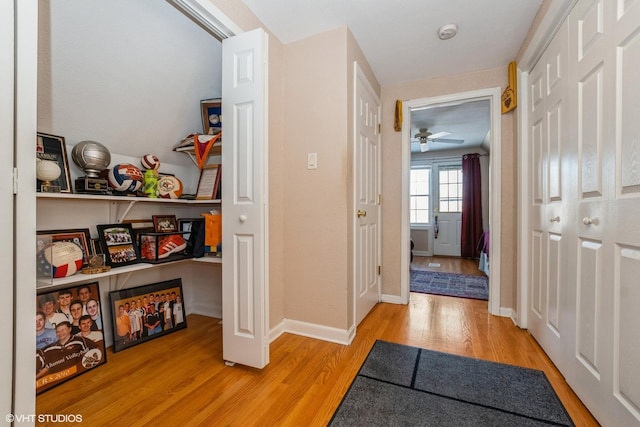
[361,213]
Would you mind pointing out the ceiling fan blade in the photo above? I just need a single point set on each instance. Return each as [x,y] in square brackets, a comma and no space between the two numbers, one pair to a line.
[448,141]
[439,135]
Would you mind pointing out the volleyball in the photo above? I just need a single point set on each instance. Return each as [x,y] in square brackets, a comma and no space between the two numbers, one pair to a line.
[125,177]
[150,162]
[60,259]
[169,187]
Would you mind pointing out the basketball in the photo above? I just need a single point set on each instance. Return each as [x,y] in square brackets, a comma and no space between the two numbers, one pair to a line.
[60,259]
[169,187]
[125,178]
[150,162]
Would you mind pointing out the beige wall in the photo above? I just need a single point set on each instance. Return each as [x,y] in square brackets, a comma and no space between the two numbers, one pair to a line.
[392,170]
[318,233]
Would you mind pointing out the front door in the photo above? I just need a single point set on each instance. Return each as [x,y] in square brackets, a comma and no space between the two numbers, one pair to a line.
[367,189]
[447,212]
[245,294]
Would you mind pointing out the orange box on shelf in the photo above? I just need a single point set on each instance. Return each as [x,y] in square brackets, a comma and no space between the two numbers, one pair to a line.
[212,232]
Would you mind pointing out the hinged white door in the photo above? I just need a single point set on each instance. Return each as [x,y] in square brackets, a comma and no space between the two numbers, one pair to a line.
[244,200]
[367,189]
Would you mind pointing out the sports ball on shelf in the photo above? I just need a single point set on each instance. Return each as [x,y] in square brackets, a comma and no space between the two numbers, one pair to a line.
[125,177]
[60,259]
[150,162]
[169,187]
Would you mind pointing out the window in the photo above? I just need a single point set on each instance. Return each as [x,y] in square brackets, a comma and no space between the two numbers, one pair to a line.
[419,195]
[450,195]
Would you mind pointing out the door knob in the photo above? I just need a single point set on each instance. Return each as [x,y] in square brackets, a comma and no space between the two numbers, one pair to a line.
[588,221]
[554,219]
[361,213]
[242,218]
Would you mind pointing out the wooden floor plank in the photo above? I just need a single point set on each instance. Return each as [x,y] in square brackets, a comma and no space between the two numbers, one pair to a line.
[180,379]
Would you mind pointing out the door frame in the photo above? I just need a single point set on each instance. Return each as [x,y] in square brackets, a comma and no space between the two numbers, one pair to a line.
[495,193]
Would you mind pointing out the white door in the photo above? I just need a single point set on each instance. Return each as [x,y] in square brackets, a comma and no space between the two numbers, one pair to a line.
[367,189]
[605,56]
[6,203]
[447,214]
[552,287]
[244,200]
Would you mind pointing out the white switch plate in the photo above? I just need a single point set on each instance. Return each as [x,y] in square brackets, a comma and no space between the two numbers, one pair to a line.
[312,160]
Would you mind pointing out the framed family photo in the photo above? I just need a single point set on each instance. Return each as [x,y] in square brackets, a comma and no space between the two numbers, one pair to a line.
[119,244]
[146,312]
[69,334]
[53,148]
[165,223]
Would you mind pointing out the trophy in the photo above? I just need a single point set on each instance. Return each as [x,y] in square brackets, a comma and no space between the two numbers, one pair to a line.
[92,157]
[48,171]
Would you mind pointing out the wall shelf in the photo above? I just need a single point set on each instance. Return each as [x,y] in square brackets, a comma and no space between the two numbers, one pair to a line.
[77,278]
[123,199]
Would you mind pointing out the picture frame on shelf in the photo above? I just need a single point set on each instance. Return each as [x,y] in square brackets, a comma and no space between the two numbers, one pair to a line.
[79,236]
[53,148]
[211,110]
[167,315]
[119,244]
[140,226]
[165,223]
[68,345]
[209,182]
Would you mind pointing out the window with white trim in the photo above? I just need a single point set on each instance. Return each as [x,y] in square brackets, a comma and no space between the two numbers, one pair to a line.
[420,195]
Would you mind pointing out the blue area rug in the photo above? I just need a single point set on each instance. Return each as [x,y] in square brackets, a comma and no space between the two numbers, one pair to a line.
[399,385]
[450,284]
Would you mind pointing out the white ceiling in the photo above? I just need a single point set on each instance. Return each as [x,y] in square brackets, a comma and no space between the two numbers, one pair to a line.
[400,38]
[400,41]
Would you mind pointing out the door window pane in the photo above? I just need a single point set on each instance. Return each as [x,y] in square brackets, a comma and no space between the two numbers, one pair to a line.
[450,197]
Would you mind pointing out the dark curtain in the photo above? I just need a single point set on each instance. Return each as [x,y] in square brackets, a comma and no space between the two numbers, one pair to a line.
[471,206]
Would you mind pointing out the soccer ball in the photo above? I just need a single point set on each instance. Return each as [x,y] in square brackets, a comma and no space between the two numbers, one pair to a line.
[60,259]
[125,178]
[150,162]
[169,187]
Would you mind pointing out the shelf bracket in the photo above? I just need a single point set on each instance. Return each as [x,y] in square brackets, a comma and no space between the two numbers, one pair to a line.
[121,283]
[126,211]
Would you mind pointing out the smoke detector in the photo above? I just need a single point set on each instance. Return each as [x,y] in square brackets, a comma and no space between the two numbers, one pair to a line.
[447,31]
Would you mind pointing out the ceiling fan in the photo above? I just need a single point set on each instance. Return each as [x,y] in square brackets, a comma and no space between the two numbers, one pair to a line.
[424,137]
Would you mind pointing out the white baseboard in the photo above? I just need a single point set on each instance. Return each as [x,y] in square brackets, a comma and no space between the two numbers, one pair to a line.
[310,330]
[422,253]
[391,299]
[506,312]
[209,310]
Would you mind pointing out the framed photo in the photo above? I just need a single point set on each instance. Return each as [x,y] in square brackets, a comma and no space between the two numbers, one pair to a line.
[165,223]
[146,312]
[80,237]
[69,334]
[140,226]
[211,110]
[209,182]
[119,244]
[51,147]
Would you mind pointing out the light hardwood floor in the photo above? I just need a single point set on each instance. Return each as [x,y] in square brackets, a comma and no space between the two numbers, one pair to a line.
[180,379]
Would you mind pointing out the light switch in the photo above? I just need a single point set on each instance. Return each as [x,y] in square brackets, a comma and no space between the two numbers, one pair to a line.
[312,160]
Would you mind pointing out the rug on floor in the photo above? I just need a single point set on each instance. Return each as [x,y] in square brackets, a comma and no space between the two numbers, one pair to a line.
[449,284]
[408,386]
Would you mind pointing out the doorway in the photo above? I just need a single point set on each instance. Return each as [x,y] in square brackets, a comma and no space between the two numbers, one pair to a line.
[492,96]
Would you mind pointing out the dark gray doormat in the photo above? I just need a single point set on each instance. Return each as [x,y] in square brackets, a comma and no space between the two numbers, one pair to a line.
[400,385]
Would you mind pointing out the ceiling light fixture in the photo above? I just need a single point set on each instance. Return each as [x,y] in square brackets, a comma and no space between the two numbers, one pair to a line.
[447,31]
